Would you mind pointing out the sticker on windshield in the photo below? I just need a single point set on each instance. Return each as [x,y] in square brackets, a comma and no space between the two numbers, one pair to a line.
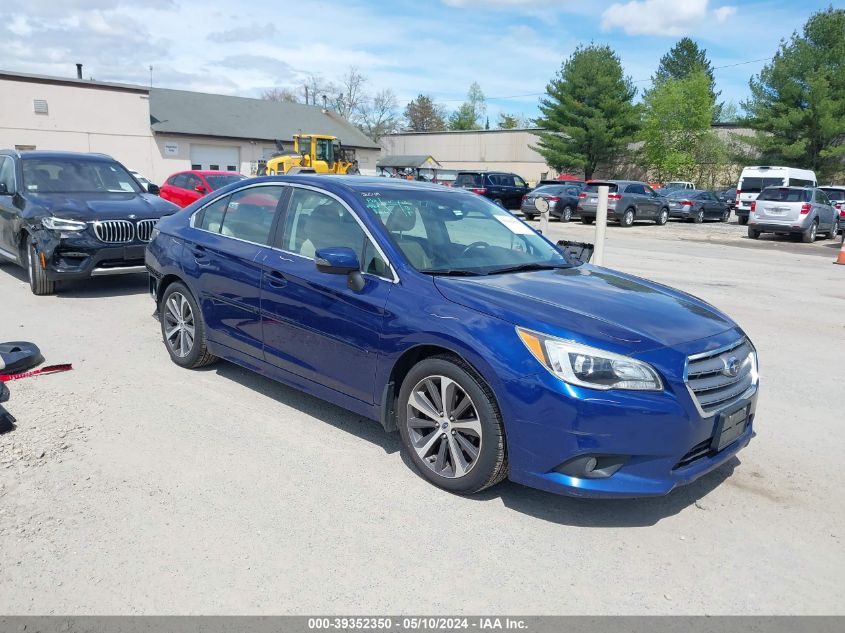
[513,224]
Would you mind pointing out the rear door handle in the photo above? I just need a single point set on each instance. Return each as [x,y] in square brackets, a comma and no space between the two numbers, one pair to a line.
[277,279]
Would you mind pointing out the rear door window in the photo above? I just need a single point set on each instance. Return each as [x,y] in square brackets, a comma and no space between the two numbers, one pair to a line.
[635,189]
[250,213]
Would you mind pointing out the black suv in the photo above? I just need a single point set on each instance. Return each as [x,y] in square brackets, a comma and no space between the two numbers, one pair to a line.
[66,215]
[503,188]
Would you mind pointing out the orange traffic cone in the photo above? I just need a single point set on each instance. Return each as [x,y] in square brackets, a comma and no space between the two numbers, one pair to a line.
[841,258]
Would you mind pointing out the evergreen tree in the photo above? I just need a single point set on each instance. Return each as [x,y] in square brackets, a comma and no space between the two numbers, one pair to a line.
[423,115]
[684,59]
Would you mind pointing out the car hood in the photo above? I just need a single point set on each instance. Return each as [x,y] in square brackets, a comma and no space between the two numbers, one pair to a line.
[590,304]
[88,207]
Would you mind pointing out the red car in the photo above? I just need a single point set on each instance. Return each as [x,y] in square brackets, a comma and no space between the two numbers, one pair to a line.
[186,187]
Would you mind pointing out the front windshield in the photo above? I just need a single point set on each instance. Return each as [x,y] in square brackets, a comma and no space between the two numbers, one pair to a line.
[215,182]
[452,232]
[76,175]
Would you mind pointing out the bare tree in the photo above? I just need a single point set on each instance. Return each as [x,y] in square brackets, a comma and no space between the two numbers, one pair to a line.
[379,115]
[352,96]
[284,95]
[314,86]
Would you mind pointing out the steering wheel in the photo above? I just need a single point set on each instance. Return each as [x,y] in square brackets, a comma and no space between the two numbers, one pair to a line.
[473,246]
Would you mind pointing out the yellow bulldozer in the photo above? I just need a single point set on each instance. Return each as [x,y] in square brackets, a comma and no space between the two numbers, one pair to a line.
[314,153]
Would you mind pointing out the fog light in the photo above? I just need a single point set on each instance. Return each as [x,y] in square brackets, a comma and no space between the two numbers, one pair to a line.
[592,466]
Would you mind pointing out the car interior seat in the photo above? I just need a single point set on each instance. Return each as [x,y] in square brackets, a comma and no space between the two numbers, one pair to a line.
[398,222]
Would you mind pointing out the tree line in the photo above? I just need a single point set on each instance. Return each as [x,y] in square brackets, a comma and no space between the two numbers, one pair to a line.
[796,108]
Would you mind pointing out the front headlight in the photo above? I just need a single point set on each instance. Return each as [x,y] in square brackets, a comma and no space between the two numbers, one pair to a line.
[589,366]
[60,224]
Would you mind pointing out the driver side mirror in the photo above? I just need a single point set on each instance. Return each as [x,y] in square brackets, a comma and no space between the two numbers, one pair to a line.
[340,260]
[153,189]
[200,189]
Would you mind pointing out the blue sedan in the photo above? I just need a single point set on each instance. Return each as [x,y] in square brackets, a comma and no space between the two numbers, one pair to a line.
[440,315]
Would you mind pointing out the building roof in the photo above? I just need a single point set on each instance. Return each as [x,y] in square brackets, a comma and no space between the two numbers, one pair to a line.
[72,81]
[416,160]
[202,114]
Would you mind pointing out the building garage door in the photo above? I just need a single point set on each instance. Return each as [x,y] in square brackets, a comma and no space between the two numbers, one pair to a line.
[222,157]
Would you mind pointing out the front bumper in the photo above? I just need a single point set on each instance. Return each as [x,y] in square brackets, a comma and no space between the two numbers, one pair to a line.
[658,436]
[82,256]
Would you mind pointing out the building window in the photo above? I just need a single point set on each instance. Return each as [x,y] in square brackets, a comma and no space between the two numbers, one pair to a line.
[40,106]
[195,166]
[231,168]
[25,148]
[214,167]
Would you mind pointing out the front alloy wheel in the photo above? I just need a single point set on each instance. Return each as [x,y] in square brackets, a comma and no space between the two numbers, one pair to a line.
[183,328]
[663,218]
[451,426]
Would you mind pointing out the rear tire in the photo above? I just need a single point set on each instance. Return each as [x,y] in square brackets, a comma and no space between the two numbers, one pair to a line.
[586,220]
[809,236]
[528,216]
[834,231]
[699,217]
[38,282]
[627,219]
[439,450]
[725,216]
[743,219]
[183,328]
[566,214]
[499,202]
[753,233]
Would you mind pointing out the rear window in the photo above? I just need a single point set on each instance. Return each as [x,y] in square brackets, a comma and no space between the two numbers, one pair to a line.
[786,194]
[751,184]
[593,187]
[553,190]
[835,194]
[468,180]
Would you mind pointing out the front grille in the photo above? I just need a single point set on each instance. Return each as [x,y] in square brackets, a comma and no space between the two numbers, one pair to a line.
[115,231]
[144,229]
[708,376]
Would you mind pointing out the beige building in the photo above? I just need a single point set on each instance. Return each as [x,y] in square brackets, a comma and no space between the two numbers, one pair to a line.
[157,131]
[500,150]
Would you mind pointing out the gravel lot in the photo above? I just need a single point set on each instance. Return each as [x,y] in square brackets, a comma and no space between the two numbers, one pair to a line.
[133,486]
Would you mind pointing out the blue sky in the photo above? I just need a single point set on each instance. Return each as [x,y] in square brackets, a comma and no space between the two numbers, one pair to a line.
[438,47]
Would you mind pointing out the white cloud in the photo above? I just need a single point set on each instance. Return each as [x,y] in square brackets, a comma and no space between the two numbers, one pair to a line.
[655,17]
[723,13]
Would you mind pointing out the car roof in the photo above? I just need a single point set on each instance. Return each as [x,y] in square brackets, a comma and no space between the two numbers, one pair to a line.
[211,172]
[356,184]
[56,154]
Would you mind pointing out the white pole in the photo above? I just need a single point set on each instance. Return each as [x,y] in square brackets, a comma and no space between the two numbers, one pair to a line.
[544,222]
[601,226]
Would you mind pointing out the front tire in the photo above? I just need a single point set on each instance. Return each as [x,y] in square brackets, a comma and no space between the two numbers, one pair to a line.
[183,328]
[451,426]
[38,282]
[663,218]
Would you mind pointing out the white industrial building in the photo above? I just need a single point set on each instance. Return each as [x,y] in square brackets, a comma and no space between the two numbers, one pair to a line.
[157,131]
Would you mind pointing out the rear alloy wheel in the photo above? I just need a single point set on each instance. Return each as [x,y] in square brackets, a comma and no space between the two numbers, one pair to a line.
[566,214]
[699,217]
[586,220]
[663,218]
[183,328]
[38,282]
[451,426]
[627,219]
[809,236]
[753,233]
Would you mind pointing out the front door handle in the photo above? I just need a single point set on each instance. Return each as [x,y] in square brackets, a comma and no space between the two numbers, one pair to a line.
[277,279]
[198,251]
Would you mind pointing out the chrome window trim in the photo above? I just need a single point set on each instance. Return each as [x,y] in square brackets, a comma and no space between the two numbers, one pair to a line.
[192,224]
[715,352]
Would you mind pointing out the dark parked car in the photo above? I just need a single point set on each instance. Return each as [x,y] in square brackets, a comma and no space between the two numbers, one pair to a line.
[728,196]
[505,189]
[562,199]
[444,317]
[696,205]
[579,184]
[627,202]
[65,215]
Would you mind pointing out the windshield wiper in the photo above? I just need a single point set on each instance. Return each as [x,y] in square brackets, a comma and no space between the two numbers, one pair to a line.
[450,272]
[521,268]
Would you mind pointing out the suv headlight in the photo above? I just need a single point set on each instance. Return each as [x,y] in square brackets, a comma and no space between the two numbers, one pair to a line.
[591,367]
[60,224]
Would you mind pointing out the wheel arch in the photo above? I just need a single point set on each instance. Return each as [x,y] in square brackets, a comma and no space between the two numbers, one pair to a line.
[406,361]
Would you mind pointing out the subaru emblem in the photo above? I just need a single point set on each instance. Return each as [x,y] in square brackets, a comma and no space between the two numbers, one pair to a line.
[731,366]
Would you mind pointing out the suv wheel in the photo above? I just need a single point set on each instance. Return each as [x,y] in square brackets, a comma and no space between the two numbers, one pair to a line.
[834,230]
[451,426]
[663,217]
[809,236]
[38,282]
[753,233]
[183,328]
[585,220]
[726,216]
[742,219]
[627,219]
[527,216]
